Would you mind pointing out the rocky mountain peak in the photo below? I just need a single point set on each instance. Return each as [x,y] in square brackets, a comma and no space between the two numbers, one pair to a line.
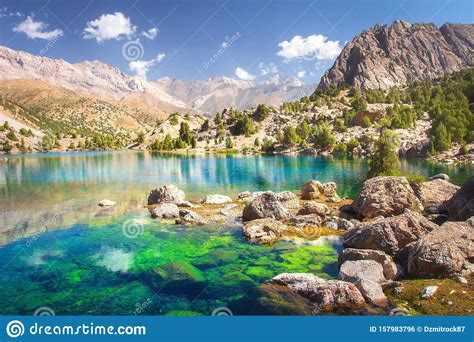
[392,55]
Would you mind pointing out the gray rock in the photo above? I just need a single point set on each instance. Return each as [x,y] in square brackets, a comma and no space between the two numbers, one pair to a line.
[312,220]
[188,217]
[288,199]
[385,196]
[166,194]
[428,291]
[325,295]
[266,205]
[315,208]
[443,252]
[442,176]
[343,224]
[460,207]
[388,265]
[353,271]
[436,192]
[216,199]
[389,234]
[313,190]
[107,203]
[185,204]
[372,292]
[266,230]
[165,210]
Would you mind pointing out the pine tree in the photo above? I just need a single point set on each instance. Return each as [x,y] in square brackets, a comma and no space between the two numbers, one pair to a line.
[384,160]
[441,138]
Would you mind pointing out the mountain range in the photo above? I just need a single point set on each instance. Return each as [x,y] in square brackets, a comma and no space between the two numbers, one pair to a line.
[167,95]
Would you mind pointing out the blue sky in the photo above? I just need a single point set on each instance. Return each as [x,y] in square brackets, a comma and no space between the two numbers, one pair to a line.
[200,39]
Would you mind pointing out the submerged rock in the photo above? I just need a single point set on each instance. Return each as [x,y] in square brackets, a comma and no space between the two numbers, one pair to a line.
[460,207]
[166,194]
[165,210]
[443,252]
[266,230]
[176,278]
[265,205]
[106,203]
[389,234]
[216,199]
[388,265]
[325,295]
[385,196]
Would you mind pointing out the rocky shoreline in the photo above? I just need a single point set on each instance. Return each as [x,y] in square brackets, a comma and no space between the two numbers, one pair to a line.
[394,233]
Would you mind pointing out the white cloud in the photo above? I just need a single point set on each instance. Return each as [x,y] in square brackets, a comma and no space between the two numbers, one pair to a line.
[311,47]
[36,29]
[243,74]
[268,69]
[151,33]
[301,74]
[4,13]
[141,68]
[109,26]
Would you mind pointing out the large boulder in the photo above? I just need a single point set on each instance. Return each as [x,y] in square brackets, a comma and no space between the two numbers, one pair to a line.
[325,295]
[288,199]
[266,205]
[388,265]
[385,196]
[266,230]
[389,234]
[436,192]
[313,190]
[461,206]
[355,270]
[166,194]
[445,251]
[165,210]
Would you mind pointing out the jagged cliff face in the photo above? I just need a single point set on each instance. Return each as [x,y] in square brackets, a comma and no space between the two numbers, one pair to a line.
[386,56]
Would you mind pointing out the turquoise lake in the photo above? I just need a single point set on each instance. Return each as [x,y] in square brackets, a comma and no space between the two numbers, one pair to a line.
[62,252]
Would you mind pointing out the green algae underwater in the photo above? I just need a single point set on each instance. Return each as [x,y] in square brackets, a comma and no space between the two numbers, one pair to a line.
[164,270]
[61,252]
